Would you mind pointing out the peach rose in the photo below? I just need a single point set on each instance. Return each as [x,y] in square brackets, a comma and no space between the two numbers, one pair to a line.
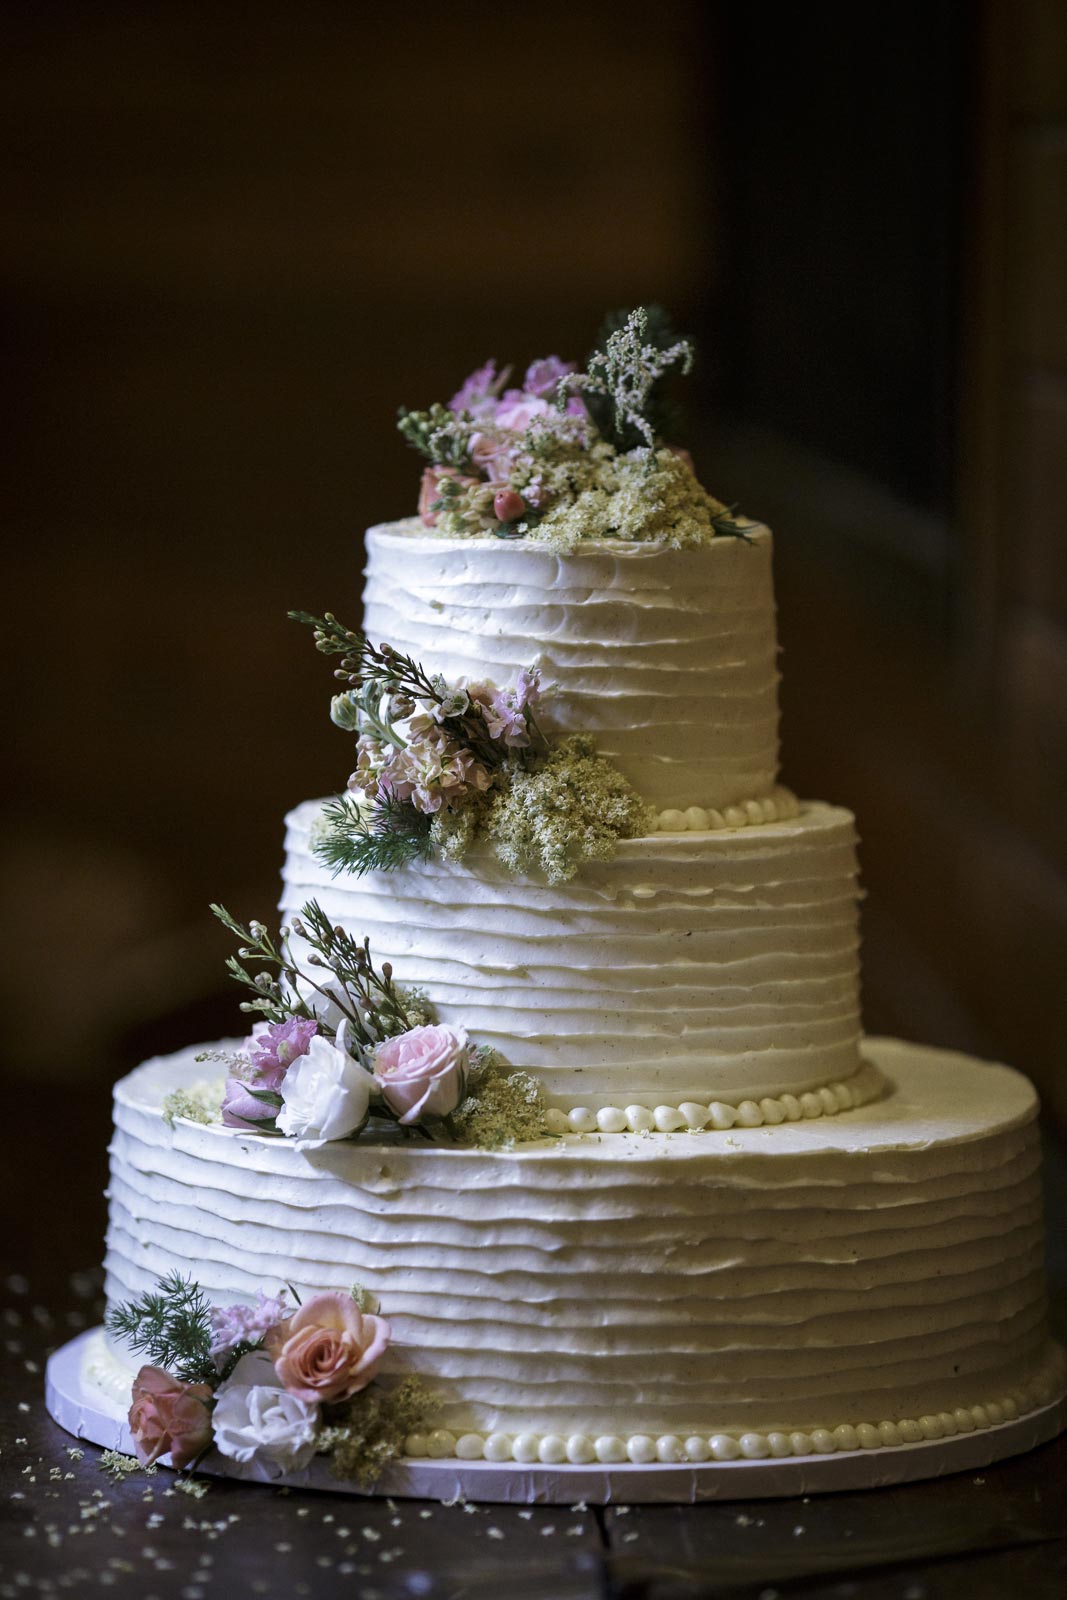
[169,1415]
[423,1073]
[328,1349]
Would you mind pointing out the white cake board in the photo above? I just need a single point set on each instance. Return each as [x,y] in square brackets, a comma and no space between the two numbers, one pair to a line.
[85,1412]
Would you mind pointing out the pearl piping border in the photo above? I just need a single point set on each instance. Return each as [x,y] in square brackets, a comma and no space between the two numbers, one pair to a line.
[779,806]
[718,1116]
[642,1449]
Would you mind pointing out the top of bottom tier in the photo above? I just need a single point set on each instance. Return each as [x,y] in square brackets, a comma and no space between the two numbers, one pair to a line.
[934,1098]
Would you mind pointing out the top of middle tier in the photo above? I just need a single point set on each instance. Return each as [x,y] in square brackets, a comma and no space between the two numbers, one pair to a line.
[669,657]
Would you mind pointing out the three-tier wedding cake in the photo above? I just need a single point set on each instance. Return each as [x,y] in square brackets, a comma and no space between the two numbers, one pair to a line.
[592,1123]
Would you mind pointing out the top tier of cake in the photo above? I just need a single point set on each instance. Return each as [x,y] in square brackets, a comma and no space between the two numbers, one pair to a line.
[667,656]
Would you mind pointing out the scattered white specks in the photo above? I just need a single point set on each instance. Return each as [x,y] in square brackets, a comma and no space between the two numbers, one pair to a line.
[798,1530]
[548,1528]
[494,1533]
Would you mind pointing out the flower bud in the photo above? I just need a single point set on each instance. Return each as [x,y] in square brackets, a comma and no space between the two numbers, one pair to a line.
[345,711]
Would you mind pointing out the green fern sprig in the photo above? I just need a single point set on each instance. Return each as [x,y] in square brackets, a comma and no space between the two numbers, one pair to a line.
[171,1326]
[393,835]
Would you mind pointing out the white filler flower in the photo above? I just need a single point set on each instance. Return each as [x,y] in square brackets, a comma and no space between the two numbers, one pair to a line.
[326,1093]
[256,1420]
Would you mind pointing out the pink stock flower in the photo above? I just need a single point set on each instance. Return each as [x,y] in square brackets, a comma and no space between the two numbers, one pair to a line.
[328,1349]
[168,1415]
[234,1325]
[274,1046]
[423,1073]
[542,377]
[434,771]
[477,394]
[504,710]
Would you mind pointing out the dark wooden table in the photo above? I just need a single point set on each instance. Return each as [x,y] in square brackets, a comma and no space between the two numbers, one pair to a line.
[68,1529]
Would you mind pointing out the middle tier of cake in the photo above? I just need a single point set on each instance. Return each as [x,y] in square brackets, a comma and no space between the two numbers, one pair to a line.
[693,968]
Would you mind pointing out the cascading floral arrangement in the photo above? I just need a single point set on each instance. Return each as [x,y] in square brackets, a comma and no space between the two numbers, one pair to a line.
[268,1385]
[440,766]
[570,455]
[340,1048]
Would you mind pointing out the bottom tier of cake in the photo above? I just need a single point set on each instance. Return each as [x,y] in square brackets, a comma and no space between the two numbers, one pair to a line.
[861,1281]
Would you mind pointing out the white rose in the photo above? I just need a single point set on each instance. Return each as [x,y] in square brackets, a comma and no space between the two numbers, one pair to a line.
[256,1420]
[326,1093]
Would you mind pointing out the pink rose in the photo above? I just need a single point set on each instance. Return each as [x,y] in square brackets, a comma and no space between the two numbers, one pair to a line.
[423,1073]
[329,1349]
[168,1415]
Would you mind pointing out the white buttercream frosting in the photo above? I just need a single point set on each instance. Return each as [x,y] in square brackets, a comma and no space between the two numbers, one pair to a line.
[668,656]
[692,967]
[882,1264]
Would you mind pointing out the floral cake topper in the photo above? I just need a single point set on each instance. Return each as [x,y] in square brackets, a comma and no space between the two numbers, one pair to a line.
[569,455]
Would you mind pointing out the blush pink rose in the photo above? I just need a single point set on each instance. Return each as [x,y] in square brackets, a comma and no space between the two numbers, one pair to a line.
[422,1073]
[169,1415]
[328,1349]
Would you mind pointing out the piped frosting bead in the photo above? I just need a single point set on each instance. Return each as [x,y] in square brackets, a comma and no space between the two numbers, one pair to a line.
[823,1442]
[670,1448]
[773,1111]
[696,819]
[552,1449]
[582,1120]
[754,1446]
[441,1443]
[640,1119]
[498,1447]
[696,1116]
[611,1120]
[668,1119]
[557,1121]
[724,1447]
[580,1449]
[673,822]
[697,1449]
[749,1114]
[722,1116]
[609,1447]
[641,1448]
[415,1445]
[525,1447]
[470,1447]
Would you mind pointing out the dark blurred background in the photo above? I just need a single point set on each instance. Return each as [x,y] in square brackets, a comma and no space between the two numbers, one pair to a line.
[237,238]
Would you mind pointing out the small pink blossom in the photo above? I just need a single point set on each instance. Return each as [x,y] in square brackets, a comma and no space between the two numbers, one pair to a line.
[328,1349]
[504,710]
[233,1325]
[423,1073]
[166,1415]
[490,455]
[434,771]
[542,377]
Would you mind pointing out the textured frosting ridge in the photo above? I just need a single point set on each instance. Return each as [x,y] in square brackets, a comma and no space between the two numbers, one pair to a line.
[692,967]
[668,656]
[886,1263]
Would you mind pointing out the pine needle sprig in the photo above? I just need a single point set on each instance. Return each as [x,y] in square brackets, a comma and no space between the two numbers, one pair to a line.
[393,835]
[171,1326]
